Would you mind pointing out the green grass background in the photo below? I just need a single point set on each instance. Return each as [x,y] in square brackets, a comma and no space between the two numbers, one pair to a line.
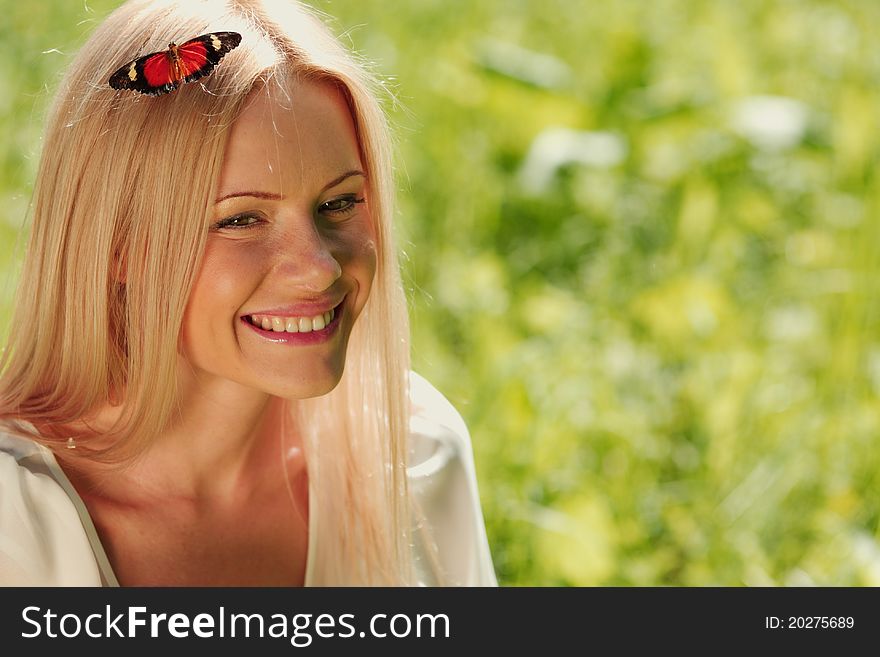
[664,341]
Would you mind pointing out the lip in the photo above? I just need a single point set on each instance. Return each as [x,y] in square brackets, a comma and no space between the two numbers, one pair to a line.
[301,309]
[312,337]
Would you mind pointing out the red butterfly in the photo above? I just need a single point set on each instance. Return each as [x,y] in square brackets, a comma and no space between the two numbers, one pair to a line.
[161,72]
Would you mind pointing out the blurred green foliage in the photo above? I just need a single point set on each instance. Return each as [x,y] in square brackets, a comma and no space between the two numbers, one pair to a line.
[640,242]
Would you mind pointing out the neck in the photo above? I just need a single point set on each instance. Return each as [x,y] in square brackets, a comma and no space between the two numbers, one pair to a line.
[217,449]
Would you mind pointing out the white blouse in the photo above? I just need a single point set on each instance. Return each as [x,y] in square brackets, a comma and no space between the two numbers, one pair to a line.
[47,537]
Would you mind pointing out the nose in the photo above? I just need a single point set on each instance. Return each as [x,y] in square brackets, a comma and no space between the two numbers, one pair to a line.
[306,259]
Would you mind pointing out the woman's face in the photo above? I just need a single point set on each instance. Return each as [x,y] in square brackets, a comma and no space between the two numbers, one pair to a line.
[290,254]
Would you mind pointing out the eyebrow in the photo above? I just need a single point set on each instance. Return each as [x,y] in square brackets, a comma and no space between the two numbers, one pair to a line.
[266,195]
[271,196]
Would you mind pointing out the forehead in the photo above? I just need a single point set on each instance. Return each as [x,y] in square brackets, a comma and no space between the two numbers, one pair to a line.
[282,145]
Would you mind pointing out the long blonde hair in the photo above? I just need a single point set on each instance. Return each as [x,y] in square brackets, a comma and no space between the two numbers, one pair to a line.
[126,182]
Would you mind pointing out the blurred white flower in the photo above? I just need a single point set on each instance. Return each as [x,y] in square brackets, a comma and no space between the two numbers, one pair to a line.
[866,554]
[534,68]
[792,323]
[558,147]
[770,123]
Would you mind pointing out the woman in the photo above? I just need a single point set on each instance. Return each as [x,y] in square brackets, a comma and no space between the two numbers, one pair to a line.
[222,394]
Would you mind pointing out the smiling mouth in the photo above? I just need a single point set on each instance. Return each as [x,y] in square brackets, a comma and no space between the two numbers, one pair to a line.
[294,324]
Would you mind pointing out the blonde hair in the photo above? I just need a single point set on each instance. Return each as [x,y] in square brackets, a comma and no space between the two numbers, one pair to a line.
[125,183]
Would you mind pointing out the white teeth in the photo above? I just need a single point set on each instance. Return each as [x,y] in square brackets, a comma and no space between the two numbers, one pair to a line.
[293,324]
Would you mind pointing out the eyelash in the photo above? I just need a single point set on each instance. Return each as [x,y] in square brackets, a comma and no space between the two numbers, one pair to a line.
[350,200]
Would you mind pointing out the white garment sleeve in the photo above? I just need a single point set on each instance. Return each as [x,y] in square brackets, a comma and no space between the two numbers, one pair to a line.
[42,542]
[449,539]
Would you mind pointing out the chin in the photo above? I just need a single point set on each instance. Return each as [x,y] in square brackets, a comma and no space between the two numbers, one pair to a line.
[315,391]
[313,386]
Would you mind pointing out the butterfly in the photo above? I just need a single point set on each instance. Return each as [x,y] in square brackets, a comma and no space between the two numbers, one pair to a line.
[161,72]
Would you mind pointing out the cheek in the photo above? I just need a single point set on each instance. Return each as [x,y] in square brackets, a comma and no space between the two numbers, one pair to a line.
[364,263]
[356,253]
[223,282]
[354,248]
[369,257]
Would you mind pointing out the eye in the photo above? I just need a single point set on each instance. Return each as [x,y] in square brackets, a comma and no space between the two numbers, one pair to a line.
[341,206]
[237,221]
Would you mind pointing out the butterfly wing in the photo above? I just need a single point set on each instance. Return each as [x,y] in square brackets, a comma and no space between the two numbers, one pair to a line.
[199,56]
[157,73]
[150,74]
